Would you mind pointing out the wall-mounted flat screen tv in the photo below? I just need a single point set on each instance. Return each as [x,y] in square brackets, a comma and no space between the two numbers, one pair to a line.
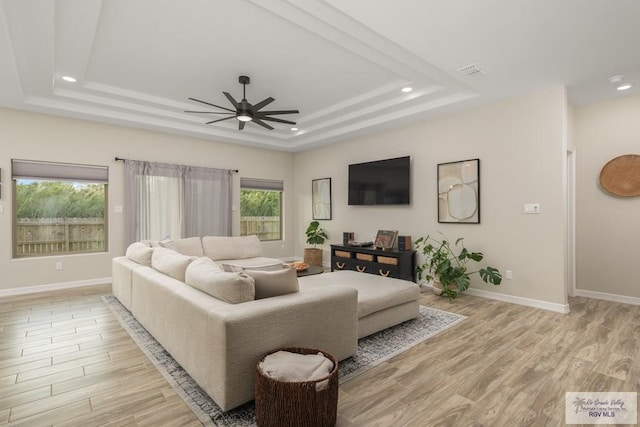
[382,182]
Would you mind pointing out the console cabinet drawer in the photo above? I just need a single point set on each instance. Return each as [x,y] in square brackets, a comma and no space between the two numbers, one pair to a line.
[363,266]
[387,270]
[341,264]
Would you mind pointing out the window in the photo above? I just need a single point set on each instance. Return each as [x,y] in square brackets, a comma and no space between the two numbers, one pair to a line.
[261,208]
[59,208]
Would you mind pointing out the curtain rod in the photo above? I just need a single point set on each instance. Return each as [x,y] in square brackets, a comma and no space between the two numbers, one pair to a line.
[119,159]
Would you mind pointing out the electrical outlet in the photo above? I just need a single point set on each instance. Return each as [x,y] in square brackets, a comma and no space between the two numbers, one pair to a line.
[531,208]
[58,266]
[508,274]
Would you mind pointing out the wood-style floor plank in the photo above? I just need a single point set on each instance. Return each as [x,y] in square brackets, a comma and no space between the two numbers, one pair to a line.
[506,365]
[65,360]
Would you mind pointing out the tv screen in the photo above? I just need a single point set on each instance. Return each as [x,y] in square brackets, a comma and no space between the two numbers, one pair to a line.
[383,182]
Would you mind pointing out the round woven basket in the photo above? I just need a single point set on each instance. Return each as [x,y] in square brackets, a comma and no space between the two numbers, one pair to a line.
[282,404]
[621,176]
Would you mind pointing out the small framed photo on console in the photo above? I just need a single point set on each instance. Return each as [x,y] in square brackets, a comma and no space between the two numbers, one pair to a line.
[386,239]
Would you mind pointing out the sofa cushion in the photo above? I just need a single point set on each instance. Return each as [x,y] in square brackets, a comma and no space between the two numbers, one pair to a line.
[191,246]
[164,243]
[257,263]
[273,283]
[140,253]
[222,247]
[170,262]
[206,275]
[375,293]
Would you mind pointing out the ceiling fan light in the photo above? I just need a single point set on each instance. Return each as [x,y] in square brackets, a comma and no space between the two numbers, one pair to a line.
[244,117]
[624,86]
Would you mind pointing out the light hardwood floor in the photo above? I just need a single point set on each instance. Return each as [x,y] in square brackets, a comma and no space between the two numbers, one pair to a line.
[65,360]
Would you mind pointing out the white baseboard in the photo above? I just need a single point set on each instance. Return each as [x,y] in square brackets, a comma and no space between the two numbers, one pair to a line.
[529,302]
[607,297]
[53,287]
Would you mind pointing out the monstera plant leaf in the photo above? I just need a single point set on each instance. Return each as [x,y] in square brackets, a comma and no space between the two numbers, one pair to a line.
[491,275]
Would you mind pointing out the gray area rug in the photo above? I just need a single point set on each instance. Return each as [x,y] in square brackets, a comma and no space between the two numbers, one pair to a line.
[372,351]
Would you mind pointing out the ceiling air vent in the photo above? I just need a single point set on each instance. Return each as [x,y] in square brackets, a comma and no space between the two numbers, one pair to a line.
[472,70]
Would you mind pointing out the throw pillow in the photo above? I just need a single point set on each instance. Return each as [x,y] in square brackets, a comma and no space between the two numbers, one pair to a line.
[140,253]
[206,275]
[273,283]
[170,262]
[166,243]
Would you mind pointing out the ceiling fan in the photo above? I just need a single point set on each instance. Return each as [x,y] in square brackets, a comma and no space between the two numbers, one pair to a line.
[245,111]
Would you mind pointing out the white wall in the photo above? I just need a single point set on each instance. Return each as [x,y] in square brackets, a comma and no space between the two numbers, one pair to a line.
[49,138]
[522,146]
[608,227]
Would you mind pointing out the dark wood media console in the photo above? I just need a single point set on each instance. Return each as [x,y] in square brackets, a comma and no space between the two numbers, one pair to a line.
[392,263]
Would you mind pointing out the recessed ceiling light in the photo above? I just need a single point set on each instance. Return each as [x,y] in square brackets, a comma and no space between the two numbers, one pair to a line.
[69,79]
[294,129]
[407,89]
[624,86]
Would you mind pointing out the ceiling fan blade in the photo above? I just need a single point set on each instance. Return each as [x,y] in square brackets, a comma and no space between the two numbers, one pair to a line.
[261,123]
[213,105]
[269,113]
[263,103]
[208,112]
[273,119]
[241,124]
[231,100]
[219,120]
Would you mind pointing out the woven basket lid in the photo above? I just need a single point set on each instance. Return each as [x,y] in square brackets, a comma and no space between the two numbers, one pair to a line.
[621,176]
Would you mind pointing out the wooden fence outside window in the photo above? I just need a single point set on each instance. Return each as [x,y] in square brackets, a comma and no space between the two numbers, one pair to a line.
[55,236]
[265,227]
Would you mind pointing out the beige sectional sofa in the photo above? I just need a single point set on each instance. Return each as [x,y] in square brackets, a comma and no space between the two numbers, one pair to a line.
[217,325]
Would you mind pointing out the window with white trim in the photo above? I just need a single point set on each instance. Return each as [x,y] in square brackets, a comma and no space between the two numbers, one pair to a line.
[261,208]
[59,208]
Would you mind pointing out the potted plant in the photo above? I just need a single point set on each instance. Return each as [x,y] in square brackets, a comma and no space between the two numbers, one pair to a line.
[315,236]
[446,264]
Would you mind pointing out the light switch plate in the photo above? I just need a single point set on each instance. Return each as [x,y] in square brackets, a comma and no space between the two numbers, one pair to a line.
[531,208]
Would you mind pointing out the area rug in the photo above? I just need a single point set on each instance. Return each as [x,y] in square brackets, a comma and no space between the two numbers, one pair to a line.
[372,351]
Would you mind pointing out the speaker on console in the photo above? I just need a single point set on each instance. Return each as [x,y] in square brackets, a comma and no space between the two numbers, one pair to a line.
[404,243]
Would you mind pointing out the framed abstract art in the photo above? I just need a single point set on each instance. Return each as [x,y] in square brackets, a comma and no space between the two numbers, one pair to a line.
[459,192]
[321,198]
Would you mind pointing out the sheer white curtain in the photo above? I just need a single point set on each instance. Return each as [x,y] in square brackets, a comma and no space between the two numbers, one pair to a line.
[174,201]
[207,197]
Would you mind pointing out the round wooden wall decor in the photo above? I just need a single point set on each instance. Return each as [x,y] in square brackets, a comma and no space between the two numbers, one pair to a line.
[621,176]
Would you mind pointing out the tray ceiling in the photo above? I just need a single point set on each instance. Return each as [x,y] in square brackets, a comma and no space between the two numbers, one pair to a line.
[341,63]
